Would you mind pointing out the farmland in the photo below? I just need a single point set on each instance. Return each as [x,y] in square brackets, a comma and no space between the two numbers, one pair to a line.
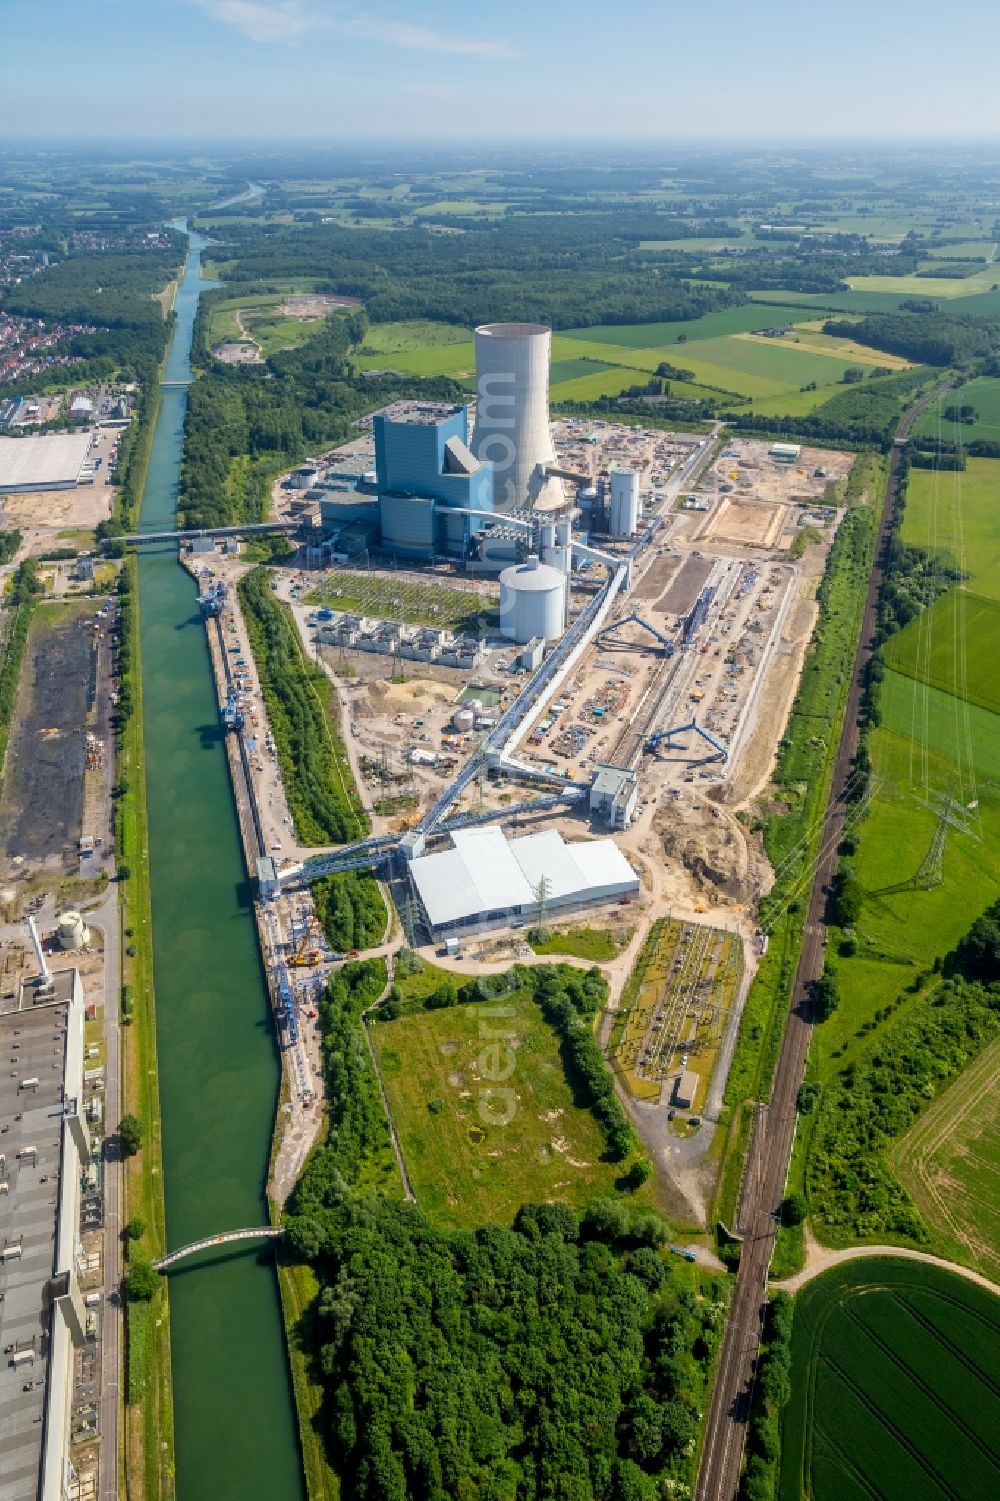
[894,1378]
[720,349]
[984,395]
[943,289]
[475,1153]
[954,646]
[948,1161]
[957,516]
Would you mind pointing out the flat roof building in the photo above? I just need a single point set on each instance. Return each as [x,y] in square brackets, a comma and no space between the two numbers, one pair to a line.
[45,1150]
[487,880]
[50,461]
[614,793]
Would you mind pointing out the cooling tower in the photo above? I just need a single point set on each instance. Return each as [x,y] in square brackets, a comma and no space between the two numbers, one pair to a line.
[512,413]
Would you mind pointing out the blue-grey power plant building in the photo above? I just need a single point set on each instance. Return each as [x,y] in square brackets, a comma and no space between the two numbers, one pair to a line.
[424,470]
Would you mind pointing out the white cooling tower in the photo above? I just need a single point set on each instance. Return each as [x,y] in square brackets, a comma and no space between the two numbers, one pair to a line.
[512,412]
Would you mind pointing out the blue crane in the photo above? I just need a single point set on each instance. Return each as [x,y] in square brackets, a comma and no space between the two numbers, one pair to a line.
[656,739]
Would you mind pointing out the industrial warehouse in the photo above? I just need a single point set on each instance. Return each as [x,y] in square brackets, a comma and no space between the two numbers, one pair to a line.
[45,1152]
[50,462]
[486,880]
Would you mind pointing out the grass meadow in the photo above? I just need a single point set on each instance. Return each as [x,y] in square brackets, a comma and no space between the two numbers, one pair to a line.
[957,515]
[474,1152]
[984,395]
[954,646]
[894,1376]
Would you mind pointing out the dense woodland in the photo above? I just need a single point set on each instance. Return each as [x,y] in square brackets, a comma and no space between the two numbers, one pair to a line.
[351,911]
[321,797]
[581,272]
[931,337]
[558,1357]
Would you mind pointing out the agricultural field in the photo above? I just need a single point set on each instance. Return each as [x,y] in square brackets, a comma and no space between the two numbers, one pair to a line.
[942,289]
[408,601]
[949,1161]
[904,927]
[957,514]
[647,336]
[469,1163]
[953,646]
[895,1370]
[984,395]
[942,721]
[413,333]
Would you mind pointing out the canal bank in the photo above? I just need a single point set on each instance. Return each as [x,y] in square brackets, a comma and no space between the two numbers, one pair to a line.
[234,1421]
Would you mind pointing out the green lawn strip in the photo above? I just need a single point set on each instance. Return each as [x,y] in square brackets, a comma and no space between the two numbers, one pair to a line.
[140,1078]
[316,774]
[299,1289]
[580,943]
[876,1392]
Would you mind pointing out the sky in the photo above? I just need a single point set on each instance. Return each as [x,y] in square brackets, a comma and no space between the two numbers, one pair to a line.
[664,70]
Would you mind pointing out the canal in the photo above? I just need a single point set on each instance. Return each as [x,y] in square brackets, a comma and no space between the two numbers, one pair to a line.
[234,1417]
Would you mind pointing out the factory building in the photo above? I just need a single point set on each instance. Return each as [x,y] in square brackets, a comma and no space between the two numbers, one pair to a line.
[532,602]
[487,880]
[614,793]
[512,413]
[424,468]
[45,1157]
[784,453]
[624,519]
[48,461]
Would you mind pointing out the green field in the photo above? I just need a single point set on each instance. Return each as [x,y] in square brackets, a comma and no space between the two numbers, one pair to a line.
[413,333]
[949,1162]
[561,371]
[938,718]
[953,646]
[468,1164]
[984,395]
[895,1372]
[957,514]
[944,289]
[734,320]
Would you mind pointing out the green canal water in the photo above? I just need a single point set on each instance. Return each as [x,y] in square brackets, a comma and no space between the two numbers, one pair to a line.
[235,1432]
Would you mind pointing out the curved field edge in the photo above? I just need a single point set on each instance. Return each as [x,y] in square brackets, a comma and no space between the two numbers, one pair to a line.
[834,1291]
[938,1160]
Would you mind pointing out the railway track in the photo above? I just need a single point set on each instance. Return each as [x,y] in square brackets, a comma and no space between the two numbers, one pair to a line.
[771,1146]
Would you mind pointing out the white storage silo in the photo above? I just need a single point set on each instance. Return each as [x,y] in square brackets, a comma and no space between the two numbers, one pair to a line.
[72,932]
[463,720]
[512,412]
[532,602]
[624,503]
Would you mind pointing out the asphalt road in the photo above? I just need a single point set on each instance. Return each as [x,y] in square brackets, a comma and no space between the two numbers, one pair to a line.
[771,1145]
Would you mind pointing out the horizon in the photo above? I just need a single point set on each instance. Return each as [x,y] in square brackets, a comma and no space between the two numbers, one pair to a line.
[197,70]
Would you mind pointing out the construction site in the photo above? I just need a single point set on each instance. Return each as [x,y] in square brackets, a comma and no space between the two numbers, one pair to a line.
[586,734]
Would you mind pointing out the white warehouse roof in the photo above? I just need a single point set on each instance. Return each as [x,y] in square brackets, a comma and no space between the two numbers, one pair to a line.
[485,873]
[49,461]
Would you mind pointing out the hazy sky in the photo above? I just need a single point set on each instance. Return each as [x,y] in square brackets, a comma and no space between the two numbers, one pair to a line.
[666,69]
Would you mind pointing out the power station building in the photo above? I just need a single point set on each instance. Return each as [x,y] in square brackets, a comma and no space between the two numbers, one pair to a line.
[425,468]
[512,413]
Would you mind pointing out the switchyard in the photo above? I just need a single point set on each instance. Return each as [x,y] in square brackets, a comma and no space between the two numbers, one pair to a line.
[665,1043]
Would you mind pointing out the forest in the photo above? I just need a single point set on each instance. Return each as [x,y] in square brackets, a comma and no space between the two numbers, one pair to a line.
[518,269]
[350,909]
[931,338]
[110,290]
[317,779]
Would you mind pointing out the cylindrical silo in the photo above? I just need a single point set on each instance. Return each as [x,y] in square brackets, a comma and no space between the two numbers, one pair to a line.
[72,932]
[463,720]
[624,503]
[512,410]
[532,602]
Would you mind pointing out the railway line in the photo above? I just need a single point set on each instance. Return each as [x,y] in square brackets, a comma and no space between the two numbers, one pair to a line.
[771,1145]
